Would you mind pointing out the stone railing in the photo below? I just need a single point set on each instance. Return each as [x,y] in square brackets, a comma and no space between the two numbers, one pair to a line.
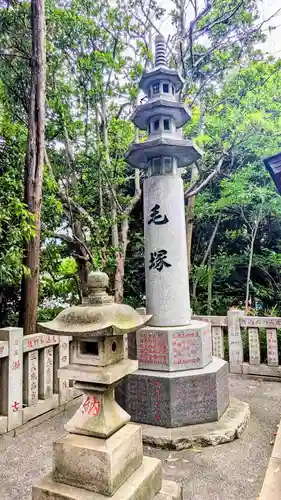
[233,332]
[29,386]
[218,330]
[240,330]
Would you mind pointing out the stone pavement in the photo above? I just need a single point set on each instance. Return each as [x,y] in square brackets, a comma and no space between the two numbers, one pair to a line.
[233,471]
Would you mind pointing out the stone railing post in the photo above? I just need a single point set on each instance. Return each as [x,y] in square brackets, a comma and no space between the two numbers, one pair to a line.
[30,378]
[61,359]
[235,343]
[46,382]
[272,347]
[11,381]
[218,341]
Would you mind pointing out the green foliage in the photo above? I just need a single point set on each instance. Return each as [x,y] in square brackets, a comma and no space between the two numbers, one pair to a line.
[246,113]
[68,267]
[96,53]
[47,314]
[16,223]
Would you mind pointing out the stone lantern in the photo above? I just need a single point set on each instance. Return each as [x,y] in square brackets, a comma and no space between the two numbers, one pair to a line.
[102,454]
[179,383]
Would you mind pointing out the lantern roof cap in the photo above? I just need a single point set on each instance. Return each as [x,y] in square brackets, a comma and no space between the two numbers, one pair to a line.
[100,316]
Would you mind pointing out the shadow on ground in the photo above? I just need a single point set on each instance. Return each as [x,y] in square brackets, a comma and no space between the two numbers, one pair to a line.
[233,471]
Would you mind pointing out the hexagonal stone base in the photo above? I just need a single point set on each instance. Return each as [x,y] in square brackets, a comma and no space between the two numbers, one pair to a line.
[175,348]
[175,399]
[229,427]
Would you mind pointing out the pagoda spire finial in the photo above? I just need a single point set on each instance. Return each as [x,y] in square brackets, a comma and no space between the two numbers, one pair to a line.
[160,51]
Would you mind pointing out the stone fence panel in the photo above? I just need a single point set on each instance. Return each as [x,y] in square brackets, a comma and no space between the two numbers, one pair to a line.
[246,331]
[235,333]
[29,386]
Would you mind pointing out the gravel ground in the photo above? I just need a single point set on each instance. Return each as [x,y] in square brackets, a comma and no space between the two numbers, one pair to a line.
[226,472]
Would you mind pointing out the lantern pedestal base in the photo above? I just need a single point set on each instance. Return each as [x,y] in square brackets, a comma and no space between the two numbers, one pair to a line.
[99,465]
[144,484]
[99,414]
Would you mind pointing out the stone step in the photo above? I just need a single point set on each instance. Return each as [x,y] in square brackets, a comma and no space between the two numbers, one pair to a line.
[144,484]
[100,465]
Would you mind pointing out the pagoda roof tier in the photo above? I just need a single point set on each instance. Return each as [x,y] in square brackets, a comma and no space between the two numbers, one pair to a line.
[177,110]
[161,73]
[141,153]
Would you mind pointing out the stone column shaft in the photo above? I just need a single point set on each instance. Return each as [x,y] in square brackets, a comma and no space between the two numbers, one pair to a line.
[167,286]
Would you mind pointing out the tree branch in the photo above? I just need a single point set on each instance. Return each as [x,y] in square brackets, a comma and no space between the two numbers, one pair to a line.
[220,44]
[191,191]
[192,25]
[74,241]
[209,247]
[208,251]
[112,190]
[67,199]
[113,56]
[121,108]
[64,237]
[83,245]
[136,196]
[224,18]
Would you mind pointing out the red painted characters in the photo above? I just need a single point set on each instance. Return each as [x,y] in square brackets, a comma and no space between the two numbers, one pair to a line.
[16,364]
[91,406]
[153,348]
[186,348]
[16,406]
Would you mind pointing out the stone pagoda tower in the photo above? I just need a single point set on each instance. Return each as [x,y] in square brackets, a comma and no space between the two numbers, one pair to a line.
[178,383]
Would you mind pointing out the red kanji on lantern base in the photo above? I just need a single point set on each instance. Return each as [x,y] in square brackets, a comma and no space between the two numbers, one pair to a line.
[91,406]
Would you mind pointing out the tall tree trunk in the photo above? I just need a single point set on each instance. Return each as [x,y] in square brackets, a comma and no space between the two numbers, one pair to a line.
[34,164]
[97,126]
[82,257]
[120,262]
[210,285]
[123,236]
[100,193]
[207,253]
[114,225]
[124,239]
[250,263]
[194,176]
[190,216]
